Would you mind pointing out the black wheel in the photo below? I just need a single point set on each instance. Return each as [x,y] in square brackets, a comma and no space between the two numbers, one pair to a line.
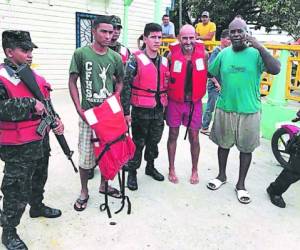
[280,140]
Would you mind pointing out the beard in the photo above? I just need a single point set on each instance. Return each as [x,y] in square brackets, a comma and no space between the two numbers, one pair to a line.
[238,44]
[188,47]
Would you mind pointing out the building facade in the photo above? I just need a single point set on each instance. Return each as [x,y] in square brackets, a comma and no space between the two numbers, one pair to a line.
[58,26]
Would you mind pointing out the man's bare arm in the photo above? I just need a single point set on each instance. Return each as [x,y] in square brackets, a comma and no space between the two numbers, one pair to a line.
[209,36]
[119,85]
[75,94]
[272,65]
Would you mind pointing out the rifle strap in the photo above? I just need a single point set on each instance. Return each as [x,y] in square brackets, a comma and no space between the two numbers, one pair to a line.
[192,106]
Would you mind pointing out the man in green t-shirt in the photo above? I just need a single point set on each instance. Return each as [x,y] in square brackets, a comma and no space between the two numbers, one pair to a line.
[100,70]
[237,117]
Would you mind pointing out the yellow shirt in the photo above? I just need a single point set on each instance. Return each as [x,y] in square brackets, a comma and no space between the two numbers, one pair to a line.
[202,30]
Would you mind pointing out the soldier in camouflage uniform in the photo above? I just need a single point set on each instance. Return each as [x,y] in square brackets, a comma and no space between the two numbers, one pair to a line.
[115,45]
[26,161]
[147,123]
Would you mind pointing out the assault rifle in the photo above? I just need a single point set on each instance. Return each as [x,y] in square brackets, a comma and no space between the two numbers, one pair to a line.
[25,73]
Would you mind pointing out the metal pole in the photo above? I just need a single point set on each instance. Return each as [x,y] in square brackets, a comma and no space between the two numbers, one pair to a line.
[127,3]
[157,11]
[180,13]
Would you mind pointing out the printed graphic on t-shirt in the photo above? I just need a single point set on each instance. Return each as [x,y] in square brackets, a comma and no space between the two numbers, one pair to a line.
[236,69]
[91,96]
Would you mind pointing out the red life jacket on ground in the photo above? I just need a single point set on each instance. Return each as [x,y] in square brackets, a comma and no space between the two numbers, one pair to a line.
[145,86]
[178,73]
[18,133]
[124,54]
[111,141]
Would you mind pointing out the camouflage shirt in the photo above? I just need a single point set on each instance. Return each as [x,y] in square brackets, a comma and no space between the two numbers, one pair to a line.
[117,48]
[14,110]
[130,73]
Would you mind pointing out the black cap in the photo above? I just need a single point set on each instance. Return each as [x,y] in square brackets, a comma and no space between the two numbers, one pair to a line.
[101,19]
[116,21]
[17,39]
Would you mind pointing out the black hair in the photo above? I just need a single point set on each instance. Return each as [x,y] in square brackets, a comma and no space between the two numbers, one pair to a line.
[165,15]
[151,27]
[101,19]
[225,33]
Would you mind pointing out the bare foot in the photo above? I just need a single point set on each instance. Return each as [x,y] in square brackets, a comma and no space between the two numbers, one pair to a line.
[194,177]
[172,176]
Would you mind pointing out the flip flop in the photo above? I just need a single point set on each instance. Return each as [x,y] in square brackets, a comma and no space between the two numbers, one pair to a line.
[243,196]
[82,203]
[215,184]
[113,192]
[205,132]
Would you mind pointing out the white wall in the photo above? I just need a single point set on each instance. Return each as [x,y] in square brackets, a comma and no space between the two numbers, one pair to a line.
[271,37]
[53,28]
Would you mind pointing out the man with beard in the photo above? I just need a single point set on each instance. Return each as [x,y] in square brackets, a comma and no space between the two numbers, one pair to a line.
[115,45]
[187,87]
[237,117]
[145,87]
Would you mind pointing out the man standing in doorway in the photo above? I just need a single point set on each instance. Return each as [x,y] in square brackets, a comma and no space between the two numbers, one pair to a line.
[100,70]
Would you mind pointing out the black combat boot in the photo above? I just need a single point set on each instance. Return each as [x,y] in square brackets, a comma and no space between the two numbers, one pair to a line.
[152,171]
[44,211]
[277,200]
[11,240]
[131,180]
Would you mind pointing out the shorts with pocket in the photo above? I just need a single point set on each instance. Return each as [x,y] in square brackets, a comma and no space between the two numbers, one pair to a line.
[231,128]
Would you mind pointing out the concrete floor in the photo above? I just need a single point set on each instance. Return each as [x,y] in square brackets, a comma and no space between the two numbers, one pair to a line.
[165,216]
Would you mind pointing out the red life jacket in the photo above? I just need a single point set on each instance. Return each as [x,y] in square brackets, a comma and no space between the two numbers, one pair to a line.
[18,133]
[144,86]
[112,146]
[178,73]
[124,54]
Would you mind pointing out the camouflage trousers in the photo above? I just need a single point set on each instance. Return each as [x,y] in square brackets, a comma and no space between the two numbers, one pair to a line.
[145,133]
[23,183]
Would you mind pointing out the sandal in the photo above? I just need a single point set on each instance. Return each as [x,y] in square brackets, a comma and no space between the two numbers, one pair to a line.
[205,132]
[82,203]
[113,192]
[215,184]
[243,196]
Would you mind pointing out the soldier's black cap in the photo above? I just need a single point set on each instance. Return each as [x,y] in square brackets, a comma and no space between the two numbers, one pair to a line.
[116,21]
[17,39]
